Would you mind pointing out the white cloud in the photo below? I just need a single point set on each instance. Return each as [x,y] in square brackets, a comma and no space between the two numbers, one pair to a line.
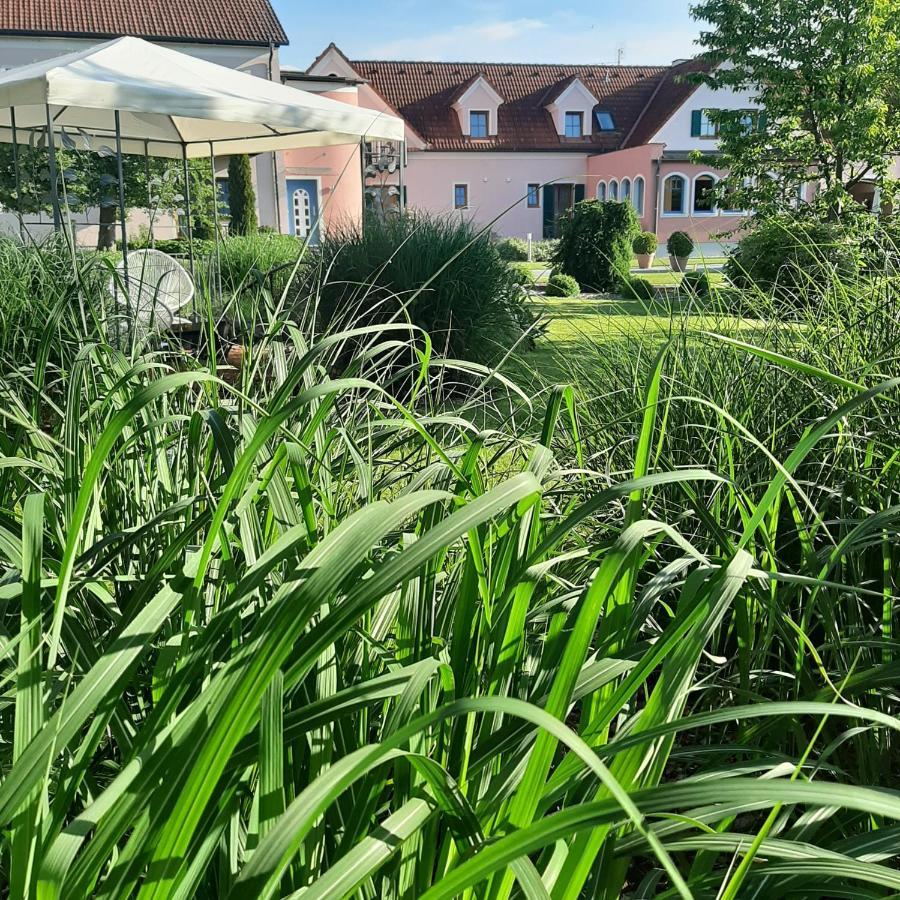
[568,39]
[481,42]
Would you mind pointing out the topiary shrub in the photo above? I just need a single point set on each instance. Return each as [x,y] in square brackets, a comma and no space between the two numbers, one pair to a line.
[638,289]
[595,244]
[516,249]
[241,197]
[645,244]
[560,285]
[696,283]
[795,259]
[680,244]
[437,272]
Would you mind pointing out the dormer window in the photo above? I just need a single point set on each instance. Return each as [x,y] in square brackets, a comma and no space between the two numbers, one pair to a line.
[605,121]
[479,123]
[574,127]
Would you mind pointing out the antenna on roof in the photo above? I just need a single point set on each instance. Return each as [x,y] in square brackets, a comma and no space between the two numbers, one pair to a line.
[620,54]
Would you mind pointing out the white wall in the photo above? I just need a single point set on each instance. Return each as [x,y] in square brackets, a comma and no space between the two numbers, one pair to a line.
[496,181]
[676,133]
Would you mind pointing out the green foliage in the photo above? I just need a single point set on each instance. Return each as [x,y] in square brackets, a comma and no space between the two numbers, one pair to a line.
[638,289]
[680,244]
[645,243]
[523,274]
[696,284]
[516,250]
[266,258]
[595,245]
[439,272]
[826,74]
[241,197]
[173,246]
[561,285]
[304,634]
[796,258]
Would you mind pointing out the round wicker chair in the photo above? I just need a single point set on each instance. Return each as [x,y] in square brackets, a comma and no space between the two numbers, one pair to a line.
[157,289]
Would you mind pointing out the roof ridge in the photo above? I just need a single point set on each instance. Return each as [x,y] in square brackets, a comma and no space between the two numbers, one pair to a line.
[521,65]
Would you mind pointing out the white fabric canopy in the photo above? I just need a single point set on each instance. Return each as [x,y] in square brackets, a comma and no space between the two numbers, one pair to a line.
[172,103]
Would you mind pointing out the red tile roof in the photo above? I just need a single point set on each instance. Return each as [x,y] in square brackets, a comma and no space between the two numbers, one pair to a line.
[206,21]
[423,92]
[673,90]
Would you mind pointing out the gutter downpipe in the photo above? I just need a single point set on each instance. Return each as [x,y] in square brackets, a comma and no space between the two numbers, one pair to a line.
[657,167]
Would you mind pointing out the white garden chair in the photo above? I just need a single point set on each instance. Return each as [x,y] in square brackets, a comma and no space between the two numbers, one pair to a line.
[157,289]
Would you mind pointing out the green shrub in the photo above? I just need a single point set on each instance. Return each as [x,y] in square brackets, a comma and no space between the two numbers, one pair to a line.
[513,249]
[638,289]
[241,197]
[172,246]
[645,243]
[680,244]
[524,275]
[516,249]
[797,259]
[439,271]
[595,245]
[696,283]
[561,285]
[269,258]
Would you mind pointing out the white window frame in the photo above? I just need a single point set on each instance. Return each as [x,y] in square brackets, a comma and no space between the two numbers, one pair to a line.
[626,189]
[573,112]
[601,184]
[685,196]
[487,124]
[459,184]
[613,192]
[709,130]
[307,221]
[537,193]
[639,209]
[695,213]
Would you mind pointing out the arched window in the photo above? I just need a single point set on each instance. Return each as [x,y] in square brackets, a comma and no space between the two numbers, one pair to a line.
[704,195]
[601,191]
[614,190]
[302,213]
[626,190]
[638,196]
[674,190]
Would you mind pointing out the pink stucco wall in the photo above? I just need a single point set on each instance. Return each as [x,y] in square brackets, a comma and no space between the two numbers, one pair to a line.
[337,169]
[642,161]
[498,185]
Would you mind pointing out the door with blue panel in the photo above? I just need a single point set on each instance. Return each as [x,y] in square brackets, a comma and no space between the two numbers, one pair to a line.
[303,208]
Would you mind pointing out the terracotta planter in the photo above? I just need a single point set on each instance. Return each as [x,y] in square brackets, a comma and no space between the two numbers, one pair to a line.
[645,260]
[235,356]
[679,263]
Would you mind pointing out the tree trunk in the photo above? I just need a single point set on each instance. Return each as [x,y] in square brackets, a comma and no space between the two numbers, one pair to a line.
[106,238]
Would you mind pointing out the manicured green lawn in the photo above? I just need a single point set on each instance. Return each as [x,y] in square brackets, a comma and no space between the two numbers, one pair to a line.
[575,330]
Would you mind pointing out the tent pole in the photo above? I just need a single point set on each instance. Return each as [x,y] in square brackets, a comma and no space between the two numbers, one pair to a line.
[18,172]
[150,209]
[54,175]
[120,177]
[401,205]
[362,176]
[187,208]
[215,195]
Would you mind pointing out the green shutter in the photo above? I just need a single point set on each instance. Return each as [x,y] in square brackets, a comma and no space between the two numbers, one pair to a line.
[762,121]
[549,211]
[579,193]
[696,122]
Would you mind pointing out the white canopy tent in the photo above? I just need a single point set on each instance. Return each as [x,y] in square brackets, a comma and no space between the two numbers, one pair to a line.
[128,96]
[174,105]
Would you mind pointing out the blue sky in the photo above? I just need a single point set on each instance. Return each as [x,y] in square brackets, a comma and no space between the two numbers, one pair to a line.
[580,31]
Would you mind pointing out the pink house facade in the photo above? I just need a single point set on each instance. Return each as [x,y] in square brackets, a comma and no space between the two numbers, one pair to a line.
[513,147]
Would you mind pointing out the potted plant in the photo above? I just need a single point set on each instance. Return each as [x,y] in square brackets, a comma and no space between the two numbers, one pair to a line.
[680,246]
[644,247]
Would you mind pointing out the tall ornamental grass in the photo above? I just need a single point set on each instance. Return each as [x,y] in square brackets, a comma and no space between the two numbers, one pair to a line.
[301,637]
